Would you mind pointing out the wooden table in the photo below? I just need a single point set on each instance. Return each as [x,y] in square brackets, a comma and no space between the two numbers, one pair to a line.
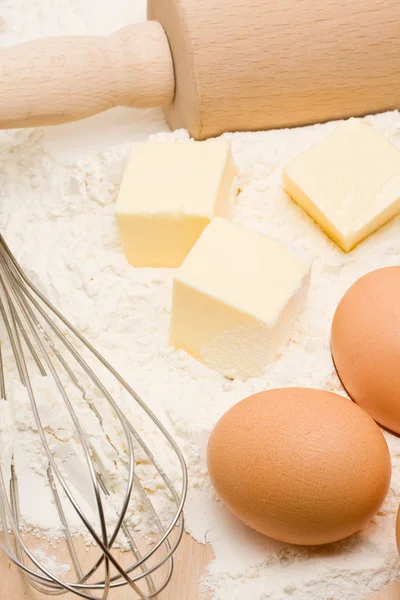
[190,564]
[191,560]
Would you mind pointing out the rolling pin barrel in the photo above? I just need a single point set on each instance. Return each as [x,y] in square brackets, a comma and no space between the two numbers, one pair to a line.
[56,80]
[245,65]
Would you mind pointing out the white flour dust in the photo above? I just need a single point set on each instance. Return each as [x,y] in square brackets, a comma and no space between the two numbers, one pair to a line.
[58,218]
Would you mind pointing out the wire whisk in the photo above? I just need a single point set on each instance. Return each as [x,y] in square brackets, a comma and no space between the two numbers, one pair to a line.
[38,341]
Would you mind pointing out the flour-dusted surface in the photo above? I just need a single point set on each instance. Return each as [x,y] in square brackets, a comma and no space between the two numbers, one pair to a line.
[58,219]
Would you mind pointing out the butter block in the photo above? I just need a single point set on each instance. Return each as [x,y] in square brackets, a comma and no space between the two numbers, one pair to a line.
[349,183]
[235,299]
[169,193]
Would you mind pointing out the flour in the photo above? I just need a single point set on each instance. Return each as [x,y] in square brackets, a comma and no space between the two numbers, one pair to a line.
[58,218]
[61,226]
[51,563]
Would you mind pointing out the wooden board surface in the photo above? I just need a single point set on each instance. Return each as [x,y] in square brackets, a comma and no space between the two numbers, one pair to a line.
[191,562]
[391,593]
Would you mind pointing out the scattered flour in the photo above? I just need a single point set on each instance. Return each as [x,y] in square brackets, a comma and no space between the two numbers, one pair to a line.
[58,219]
[51,563]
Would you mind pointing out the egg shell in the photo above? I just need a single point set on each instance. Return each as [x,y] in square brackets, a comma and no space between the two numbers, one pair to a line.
[300,465]
[398,530]
[365,343]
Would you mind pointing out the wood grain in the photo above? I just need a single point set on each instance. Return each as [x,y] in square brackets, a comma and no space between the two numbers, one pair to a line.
[190,563]
[239,65]
[251,64]
[391,593]
[56,80]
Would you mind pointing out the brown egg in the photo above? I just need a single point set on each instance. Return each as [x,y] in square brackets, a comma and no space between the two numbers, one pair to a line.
[302,466]
[398,530]
[366,344]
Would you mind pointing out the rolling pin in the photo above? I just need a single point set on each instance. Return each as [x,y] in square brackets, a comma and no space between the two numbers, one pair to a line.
[216,66]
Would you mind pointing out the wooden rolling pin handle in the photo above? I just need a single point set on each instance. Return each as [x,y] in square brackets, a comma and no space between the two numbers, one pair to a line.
[56,80]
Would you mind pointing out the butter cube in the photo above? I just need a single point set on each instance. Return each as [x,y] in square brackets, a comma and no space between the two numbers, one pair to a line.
[349,183]
[235,299]
[169,193]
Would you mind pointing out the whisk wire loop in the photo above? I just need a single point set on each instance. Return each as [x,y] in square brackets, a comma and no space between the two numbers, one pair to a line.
[33,331]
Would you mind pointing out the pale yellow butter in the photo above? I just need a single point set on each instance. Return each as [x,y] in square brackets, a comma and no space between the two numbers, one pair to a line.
[349,183]
[235,299]
[169,193]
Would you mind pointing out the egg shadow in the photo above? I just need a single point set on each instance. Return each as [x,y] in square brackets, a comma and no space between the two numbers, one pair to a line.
[275,551]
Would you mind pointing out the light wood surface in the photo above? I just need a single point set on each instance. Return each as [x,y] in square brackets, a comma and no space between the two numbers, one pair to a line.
[239,65]
[391,593]
[56,80]
[191,561]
